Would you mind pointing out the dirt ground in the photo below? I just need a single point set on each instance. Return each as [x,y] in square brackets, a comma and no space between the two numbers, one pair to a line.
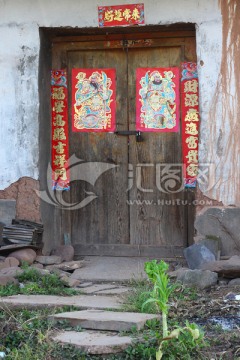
[218,311]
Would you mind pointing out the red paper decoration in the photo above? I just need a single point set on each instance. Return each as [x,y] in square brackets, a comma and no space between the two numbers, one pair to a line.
[157,99]
[190,122]
[121,15]
[60,152]
[93,100]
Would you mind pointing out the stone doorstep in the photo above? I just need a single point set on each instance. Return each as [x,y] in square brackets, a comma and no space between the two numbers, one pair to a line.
[93,342]
[80,301]
[105,320]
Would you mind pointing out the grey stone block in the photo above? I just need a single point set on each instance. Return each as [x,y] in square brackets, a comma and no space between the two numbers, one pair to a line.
[201,279]
[197,255]
[212,244]
[234,282]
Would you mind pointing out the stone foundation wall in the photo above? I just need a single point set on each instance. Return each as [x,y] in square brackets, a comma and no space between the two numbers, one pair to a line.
[24,191]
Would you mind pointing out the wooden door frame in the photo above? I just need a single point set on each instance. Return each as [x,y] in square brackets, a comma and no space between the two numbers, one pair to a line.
[55,227]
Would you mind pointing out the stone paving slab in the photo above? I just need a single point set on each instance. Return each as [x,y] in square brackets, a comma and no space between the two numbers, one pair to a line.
[80,301]
[116,291]
[85,284]
[105,320]
[94,342]
[104,268]
[108,289]
[97,287]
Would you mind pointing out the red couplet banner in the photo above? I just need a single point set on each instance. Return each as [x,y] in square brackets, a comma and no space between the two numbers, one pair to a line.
[93,100]
[157,99]
[190,121]
[60,150]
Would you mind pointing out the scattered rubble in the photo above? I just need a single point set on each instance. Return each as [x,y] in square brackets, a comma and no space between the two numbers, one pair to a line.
[66,252]
[9,262]
[6,280]
[15,257]
[11,271]
[49,260]
[67,266]
[70,282]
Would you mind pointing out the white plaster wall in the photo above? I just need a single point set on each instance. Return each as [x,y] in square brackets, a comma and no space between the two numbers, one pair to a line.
[19,49]
[209,51]
[19,55]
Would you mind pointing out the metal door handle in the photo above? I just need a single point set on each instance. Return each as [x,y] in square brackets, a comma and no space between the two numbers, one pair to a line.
[138,135]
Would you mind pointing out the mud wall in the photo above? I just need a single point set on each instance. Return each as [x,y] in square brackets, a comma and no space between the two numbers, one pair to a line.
[24,191]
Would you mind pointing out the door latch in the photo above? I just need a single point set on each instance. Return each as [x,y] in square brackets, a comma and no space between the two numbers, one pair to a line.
[138,135]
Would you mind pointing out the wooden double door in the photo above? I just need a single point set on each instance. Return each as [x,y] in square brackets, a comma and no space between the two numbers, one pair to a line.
[137,208]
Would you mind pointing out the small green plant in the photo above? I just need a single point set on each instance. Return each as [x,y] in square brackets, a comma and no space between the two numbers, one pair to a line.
[182,343]
[162,289]
[184,340]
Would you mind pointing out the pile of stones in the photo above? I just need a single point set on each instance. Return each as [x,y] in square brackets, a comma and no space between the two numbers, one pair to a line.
[59,262]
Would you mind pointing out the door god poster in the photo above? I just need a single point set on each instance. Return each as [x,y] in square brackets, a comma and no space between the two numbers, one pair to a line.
[93,100]
[157,99]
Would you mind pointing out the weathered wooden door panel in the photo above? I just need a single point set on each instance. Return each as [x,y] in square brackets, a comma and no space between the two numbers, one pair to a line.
[115,222]
[155,219]
[105,219]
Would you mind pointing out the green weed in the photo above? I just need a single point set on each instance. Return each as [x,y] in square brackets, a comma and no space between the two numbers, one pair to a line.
[34,283]
[134,300]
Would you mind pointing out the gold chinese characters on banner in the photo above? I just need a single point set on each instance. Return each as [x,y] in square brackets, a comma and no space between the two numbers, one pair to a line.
[121,15]
[60,152]
[190,122]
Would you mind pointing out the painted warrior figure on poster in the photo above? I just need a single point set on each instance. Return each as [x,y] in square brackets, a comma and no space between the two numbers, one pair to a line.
[92,103]
[158,101]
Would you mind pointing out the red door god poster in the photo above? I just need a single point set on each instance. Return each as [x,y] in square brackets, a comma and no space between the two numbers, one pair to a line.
[93,100]
[157,99]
